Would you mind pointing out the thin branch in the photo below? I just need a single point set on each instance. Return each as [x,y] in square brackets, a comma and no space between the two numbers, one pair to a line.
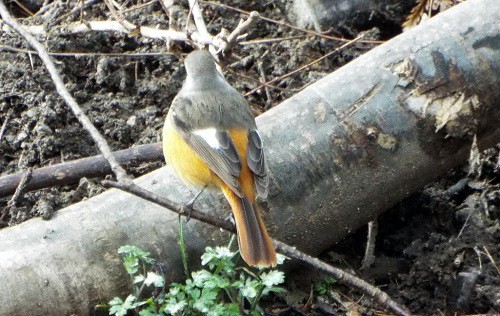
[243,25]
[195,10]
[220,42]
[19,190]
[488,254]
[289,251]
[4,124]
[139,6]
[217,4]
[180,209]
[369,257]
[198,17]
[119,17]
[271,40]
[72,171]
[74,11]
[78,54]
[24,8]
[64,93]
[336,50]
[167,6]
[114,26]
[45,7]
[257,81]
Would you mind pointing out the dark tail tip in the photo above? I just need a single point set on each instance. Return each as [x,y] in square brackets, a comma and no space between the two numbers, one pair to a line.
[255,244]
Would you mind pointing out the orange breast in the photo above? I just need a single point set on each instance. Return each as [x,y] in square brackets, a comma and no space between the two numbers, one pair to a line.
[185,161]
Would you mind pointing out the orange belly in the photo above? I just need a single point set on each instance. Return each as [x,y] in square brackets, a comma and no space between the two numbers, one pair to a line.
[185,161]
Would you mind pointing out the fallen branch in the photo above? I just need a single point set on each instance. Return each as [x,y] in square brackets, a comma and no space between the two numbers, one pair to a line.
[145,31]
[129,186]
[346,278]
[20,188]
[72,171]
[336,50]
[232,39]
[269,20]
[375,119]
[63,92]
[124,184]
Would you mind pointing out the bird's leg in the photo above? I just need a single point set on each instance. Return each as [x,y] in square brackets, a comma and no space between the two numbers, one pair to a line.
[188,207]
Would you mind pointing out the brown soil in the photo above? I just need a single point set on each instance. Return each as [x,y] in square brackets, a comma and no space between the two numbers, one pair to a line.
[426,243]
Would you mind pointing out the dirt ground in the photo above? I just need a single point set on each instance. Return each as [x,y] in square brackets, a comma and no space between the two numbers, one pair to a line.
[430,247]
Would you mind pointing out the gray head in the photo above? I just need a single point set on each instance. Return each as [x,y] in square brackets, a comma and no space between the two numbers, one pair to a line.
[200,63]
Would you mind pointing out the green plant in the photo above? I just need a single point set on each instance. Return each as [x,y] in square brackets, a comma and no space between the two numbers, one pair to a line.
[325,286]
[222,289]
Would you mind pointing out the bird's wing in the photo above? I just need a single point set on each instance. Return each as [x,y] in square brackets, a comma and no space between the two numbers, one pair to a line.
[216,148]
[257,163]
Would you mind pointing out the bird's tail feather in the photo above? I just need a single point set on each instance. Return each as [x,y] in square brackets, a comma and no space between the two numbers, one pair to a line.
[255,244]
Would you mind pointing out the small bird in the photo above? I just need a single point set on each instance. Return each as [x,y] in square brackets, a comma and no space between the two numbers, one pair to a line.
[211,140]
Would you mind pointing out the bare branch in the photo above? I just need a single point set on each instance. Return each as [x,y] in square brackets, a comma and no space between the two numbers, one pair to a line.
[19,190]
[346,278]
[72,171]
[306,65]
[232,39]
[369,257]
[119,17]
[217,4]
[114,26]
[63,92]
[5,122]
[198,17]
[195,10]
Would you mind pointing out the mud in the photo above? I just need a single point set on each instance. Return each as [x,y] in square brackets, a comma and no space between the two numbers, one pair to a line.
[426,243]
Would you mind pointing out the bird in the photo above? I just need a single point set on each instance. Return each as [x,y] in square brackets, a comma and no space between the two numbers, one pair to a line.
[210,139]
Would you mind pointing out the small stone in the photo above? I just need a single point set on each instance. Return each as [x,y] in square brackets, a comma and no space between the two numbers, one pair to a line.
[132,120]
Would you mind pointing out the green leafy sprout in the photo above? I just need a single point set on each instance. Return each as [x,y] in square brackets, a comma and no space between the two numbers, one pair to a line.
[222,288]
[325,286]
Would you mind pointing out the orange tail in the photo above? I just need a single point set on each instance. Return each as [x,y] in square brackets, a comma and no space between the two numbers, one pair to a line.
[255,245]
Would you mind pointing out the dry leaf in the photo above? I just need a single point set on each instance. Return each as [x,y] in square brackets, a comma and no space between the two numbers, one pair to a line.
[425,9]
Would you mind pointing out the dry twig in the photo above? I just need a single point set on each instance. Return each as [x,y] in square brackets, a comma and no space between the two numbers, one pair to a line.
[118,16]
[4,124]
[232,39]
[313,33]
[19,190]
[125,184]
[289,251]
[63,92]
[72,171]
[369,257]
[336,50]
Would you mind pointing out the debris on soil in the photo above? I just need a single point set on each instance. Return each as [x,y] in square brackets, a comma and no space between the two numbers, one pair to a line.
[437,251]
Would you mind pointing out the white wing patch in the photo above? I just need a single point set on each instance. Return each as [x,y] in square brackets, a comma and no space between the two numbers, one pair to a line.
[210,136]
